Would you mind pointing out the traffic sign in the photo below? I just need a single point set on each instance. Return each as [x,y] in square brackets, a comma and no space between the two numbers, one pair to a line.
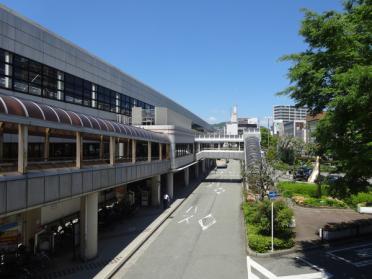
[273,195]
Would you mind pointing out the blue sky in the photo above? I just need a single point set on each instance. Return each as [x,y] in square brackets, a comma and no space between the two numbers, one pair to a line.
[205,54]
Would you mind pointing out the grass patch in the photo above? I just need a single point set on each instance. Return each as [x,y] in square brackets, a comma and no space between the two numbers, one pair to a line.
[256,240]
[361,197]
[290,189]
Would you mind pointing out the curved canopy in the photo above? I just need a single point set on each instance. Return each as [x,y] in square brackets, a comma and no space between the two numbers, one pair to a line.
[26,108]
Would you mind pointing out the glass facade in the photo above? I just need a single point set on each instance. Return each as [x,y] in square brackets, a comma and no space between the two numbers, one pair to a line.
[24,75]
[184,149]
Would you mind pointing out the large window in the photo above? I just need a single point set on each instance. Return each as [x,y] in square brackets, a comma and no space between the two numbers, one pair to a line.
[184,149]
[27,76]
[5,69]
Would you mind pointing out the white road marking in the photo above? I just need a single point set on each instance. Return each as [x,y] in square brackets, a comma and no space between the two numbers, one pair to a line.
[207,222]
[187,211]
[251,264]
[196,209]
[219,190]
[187,219]
[362,252]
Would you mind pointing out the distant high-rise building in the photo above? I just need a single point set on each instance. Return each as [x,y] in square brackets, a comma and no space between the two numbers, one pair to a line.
[289,113]
[284,114]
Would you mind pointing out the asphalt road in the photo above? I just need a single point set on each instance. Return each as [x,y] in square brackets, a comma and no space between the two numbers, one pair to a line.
[204,238]
[347,261]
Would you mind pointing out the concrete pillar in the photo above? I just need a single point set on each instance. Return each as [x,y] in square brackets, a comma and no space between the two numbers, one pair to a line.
[89,226]
[172,154]
[203,166]
[149,151]
[167,151]
[1,141]
[101,148]
[46,144]
[22,148]
[198,147]
[121,150]
[79,150]
[112,150]
[155,190]
[187,176]
[134,143]
[197,170]
[160,151]
[170,186]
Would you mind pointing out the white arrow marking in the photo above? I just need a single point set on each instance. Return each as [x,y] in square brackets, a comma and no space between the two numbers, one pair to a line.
[185,219]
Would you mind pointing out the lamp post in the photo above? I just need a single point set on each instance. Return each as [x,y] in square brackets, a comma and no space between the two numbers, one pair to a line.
[268,130]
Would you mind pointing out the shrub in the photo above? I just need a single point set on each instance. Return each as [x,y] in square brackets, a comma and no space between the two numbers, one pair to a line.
[262,243]
[360,198]
[283,234]
[282,218]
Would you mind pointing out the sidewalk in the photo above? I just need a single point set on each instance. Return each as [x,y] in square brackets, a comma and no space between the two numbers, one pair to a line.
[111,242]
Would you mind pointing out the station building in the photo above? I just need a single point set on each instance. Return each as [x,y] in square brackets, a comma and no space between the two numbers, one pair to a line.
[78,134]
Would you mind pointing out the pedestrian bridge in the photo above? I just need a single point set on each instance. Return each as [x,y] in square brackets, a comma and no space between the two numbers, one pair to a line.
[244,147]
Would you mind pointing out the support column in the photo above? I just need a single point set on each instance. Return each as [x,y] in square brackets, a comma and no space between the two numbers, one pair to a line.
[160,151]
[187,176]
[197,170]
[22,148]
[121,150]
[101,148]
[134,143]
[112,150]
[170,184]
[79,149]
[149,151]
[46,144]
[89,226]
[167,151]
[173,155]
[1,141]
[155,190]
[203,166]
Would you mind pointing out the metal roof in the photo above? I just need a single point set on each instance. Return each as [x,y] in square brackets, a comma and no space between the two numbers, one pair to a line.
[11,105]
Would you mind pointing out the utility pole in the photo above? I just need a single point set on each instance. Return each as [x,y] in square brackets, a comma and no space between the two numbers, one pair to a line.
[272,226]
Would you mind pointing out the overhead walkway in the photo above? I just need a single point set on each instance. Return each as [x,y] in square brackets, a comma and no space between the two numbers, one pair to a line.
[245,147]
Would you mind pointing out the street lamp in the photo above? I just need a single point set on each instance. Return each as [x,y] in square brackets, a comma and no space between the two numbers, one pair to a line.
[268,128]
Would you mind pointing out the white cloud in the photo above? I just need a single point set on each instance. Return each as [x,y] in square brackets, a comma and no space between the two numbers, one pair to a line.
[212,120]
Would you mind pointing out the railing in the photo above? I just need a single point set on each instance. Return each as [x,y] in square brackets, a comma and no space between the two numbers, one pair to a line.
[222,149]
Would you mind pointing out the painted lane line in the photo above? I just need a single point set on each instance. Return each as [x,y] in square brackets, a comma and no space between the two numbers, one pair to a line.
[207,222]
[196,209]
[251,264]
[187,211]
[321,270]
[187,219]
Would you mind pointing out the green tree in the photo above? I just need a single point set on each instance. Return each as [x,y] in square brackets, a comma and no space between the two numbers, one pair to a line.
[334,74]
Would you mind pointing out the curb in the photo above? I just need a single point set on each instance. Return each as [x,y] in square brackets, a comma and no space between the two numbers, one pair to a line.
[112,267]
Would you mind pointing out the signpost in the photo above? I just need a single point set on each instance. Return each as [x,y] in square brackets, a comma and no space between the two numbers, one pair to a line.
[272,196]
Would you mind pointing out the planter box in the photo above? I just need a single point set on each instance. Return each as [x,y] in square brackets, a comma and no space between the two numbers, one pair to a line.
[345,233]
[364,209]
[339,234]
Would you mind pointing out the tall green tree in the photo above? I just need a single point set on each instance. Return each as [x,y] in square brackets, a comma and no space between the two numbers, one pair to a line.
[334,74]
